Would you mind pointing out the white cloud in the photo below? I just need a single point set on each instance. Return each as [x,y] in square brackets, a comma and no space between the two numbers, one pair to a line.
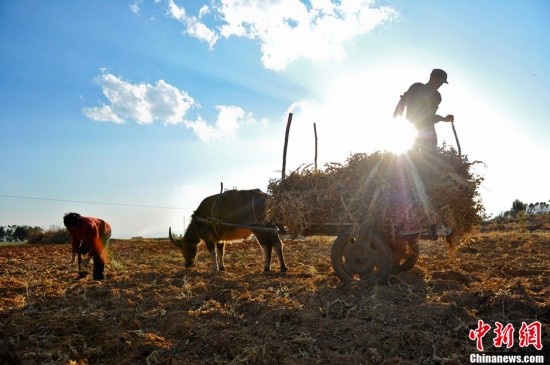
[230,119]
[204,10]
[193,25]
[204,131]
[143,103]
[134,8]
[146,103]
[103,114]
[177,12]
[288,29]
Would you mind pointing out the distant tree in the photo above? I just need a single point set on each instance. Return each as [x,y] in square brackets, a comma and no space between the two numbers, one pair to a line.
[538,208]
[14,233]
[518,206]
[9,233]
[543,208]
[19,233]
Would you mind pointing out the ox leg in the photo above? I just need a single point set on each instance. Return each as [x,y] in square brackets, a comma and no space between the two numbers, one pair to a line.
[267,256]
[220,250]
[278,246]
[211,246]
[268,241]
[266,248]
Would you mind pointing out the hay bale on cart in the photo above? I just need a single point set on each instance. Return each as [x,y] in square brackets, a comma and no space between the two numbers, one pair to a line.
[379,197]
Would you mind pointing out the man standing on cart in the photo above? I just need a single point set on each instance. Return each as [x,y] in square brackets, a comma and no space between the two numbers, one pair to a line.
[422,102]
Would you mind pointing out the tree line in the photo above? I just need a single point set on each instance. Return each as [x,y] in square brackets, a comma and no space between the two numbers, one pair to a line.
[15,233]
[519,207]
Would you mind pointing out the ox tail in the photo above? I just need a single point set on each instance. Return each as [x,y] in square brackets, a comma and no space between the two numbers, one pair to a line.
[172,238]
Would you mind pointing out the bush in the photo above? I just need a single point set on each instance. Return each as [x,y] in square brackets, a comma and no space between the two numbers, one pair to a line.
[56,235]
[35,235]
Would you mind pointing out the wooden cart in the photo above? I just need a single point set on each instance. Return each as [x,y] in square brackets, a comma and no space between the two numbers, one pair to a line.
[373,253]
[370,255]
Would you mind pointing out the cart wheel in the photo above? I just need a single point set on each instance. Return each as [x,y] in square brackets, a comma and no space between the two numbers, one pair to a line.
[405,255]
[367,258]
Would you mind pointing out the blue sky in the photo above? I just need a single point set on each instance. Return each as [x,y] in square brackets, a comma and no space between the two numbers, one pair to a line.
[133,111]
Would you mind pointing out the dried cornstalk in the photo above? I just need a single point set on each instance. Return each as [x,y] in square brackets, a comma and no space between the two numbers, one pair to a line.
[380,189]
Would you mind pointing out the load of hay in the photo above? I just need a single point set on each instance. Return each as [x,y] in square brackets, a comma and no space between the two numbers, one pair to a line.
[380,190]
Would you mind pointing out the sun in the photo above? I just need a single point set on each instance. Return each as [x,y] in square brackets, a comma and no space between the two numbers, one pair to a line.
[353,113]
[358,105]
[400,136]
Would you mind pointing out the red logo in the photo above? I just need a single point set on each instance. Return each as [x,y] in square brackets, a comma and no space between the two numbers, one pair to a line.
[479,332]
[504,335]
[530,335]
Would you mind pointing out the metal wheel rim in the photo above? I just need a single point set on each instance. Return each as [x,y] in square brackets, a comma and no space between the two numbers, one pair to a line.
[359,259]
[411,254]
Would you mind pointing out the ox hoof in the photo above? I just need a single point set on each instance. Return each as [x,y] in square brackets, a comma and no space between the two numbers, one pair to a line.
[284,269]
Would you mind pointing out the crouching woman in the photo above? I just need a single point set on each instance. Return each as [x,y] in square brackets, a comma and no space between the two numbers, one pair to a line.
[89,239]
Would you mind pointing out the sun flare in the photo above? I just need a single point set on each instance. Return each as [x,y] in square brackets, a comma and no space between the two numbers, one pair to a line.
[401,136]
[353,113]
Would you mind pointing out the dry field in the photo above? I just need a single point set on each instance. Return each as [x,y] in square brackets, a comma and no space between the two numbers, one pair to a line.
[153,311]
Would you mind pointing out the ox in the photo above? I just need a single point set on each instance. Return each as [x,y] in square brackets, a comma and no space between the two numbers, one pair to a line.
[221,218]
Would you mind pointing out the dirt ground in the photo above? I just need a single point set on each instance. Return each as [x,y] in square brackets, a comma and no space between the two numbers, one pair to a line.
[151,310]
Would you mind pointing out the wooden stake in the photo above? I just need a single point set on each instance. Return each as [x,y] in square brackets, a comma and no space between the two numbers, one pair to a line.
[286,144]
[315,131]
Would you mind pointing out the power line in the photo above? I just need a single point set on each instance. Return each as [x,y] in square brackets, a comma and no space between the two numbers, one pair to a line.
[88,202]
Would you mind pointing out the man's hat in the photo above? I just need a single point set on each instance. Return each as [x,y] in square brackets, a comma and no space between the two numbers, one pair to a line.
[440,75]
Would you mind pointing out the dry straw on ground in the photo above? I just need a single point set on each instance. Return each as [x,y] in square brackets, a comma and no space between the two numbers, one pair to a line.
[388,191]
[152,310]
